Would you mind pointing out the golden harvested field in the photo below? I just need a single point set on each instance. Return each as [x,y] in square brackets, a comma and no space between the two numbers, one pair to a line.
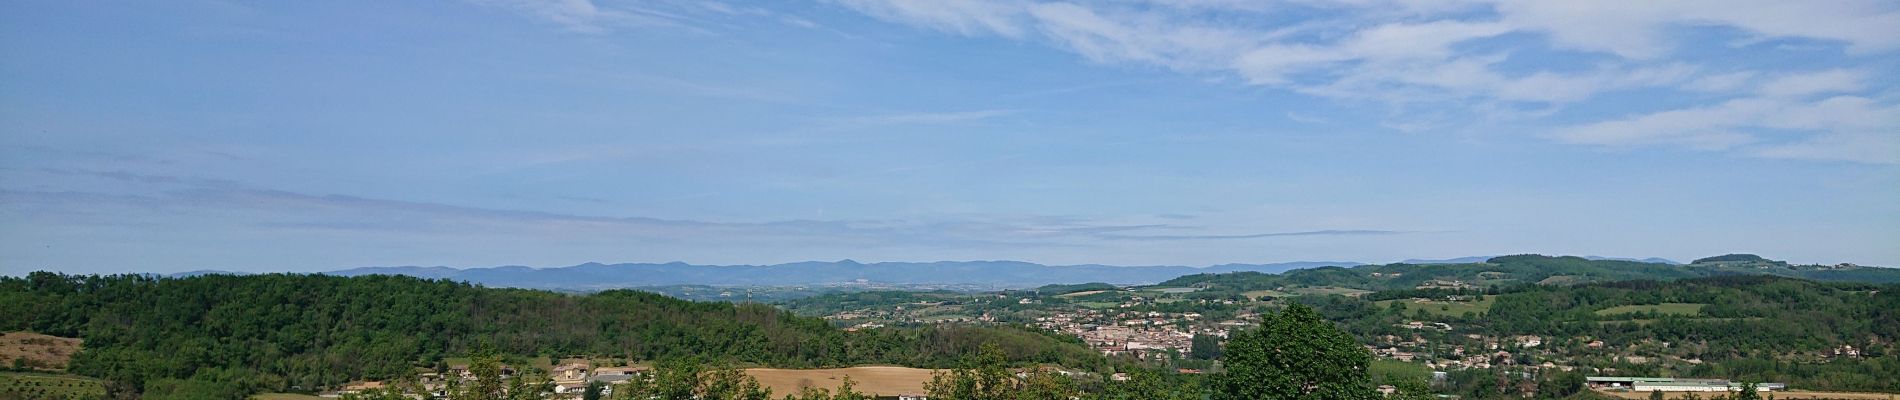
[40,351]
[1797,395]
[888,381]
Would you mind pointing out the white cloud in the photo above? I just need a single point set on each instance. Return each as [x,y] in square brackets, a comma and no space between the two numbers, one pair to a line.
[1113,37]
[1847,128]
[1803,84]
[1380,47]
[799,22]
[1638,29]
[966,17]
[1711,128]
[1860,146]
[1721,82]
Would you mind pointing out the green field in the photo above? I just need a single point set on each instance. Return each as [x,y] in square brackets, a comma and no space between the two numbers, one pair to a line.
[1307,291]
[1081,293]
[1688,309]
[1445,308]
[1563,280]
[30,385]
[1652,321]
[1386,371]
[1326,290]
[1257,293]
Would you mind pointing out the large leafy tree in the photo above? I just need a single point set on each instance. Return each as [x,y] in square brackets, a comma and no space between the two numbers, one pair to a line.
[593,390]
[1748,392]
[1294,354]
[1148,385]
[485,382]
[1205,347]
[983,377]
[731,384]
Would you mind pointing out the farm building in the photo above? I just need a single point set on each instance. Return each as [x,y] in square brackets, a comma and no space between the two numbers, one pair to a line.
[1645,384]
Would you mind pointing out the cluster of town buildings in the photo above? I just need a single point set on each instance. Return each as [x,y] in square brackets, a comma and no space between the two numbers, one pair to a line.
[1139,334]
[1112,332]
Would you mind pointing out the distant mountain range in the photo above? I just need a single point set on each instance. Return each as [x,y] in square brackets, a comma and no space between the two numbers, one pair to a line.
[995,274]
[1001,274]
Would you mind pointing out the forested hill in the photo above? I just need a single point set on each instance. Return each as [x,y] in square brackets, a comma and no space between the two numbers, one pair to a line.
[1811,335]
[1531,269]
[283,332]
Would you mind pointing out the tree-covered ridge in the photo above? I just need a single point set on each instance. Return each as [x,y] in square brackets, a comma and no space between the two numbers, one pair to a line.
[1529,269]
[1739,316]
[308,332]
[1812,335]
[1730,258]
[1059,289]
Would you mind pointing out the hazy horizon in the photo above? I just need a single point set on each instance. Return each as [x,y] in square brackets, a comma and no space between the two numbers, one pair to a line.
[317,136]
[1197,266]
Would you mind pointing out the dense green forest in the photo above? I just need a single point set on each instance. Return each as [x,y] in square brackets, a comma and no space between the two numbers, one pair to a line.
[288,332]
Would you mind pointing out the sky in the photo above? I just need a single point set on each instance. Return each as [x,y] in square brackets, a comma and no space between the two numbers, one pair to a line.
[322,135]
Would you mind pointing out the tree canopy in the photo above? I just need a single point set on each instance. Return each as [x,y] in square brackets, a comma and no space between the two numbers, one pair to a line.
[1295,354]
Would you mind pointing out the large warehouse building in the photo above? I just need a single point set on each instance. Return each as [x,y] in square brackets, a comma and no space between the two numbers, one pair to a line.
[1643,384]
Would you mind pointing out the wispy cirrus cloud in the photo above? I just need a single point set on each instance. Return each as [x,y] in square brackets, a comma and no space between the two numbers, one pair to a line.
[1463,59]
[1818,82]
[1468,54]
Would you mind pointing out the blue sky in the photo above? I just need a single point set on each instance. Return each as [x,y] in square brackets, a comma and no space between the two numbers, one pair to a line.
[308,136]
